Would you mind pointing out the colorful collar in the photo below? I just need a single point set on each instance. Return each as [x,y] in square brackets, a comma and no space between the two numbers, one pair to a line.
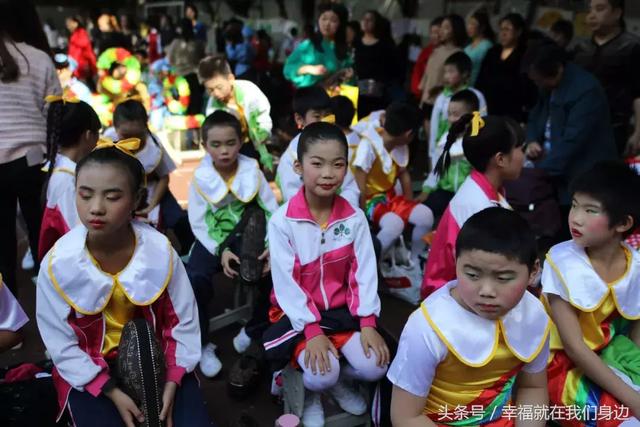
[486,187]
[244,185]
[474,339]
[368,129]
[298,209]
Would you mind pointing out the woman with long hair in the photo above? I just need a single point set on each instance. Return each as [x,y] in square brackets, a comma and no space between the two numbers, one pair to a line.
[482,38]
[325,54]
[27,76]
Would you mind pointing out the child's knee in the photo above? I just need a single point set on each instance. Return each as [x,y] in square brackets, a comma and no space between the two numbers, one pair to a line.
[320,382]
[367,369]
[393,222]
[422,216]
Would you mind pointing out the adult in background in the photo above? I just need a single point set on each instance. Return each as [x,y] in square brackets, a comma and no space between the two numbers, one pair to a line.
[184,54]
[482,37]
[425,54]
[453,37]
[109,34]
[81,50]
[613,56]
[569,128]
[508,91]
[27,76]
[376,63]
[167,31]
[199,28]
[324,56]
[561,32]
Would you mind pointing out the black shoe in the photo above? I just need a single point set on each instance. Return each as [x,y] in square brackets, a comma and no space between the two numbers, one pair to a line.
[243,377]
[253,245]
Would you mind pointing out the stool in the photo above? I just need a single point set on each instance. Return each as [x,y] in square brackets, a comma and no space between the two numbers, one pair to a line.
[243,298]
[293,398]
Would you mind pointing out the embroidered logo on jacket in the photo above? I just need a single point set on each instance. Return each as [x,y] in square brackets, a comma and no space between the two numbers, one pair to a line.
[341,231]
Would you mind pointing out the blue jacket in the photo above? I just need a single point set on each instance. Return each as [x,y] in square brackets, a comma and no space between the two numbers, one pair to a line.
[581,133]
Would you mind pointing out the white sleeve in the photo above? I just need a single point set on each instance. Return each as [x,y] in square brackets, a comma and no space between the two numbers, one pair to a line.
[263,107]
[436,113]
[365,276]
[552,283]
[68,207]
[196,211]
[166,165]
[420,351]
[12,316]
[287,178]
[365,156]
[52,314]
[290,296]
[350,190]
[266,195]
[538,364]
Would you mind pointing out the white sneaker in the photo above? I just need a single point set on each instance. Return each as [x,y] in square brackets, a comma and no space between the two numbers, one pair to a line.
[313,413]
[349,399]
[241,342]
[210,365]
[27,261]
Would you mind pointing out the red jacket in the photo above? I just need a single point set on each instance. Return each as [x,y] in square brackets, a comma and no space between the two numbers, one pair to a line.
[81,50]
[419,68]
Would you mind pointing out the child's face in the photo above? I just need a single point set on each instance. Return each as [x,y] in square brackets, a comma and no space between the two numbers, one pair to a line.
[311,116]
[89,141]
[456,110]
[220,87]
[511,164]
[132,129]
[452,76]
[589,222]
[490,284]
[223,145]
[323,168]
[104,198]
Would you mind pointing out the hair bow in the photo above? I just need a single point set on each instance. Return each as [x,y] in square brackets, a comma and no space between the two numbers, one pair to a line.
[127,146]
[476,123]
[64,98]
[330,118]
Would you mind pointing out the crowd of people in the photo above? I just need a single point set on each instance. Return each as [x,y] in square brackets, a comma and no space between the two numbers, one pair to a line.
[524,232]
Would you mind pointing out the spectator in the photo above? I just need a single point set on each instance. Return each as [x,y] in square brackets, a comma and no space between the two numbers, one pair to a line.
[167,31]
[613,56]
[562,33]
[130,31]
[569,128]
[482,37]
[425,54]
[453,37]
[109,34]
[199,29]
[508,91]
[27,75]
[376,63]
[238,48]
[325,56]
[354,33]
[81,49]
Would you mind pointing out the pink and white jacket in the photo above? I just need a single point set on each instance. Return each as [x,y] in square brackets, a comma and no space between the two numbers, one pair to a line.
[475,194]
[315,270]
[60,213]
[73,292]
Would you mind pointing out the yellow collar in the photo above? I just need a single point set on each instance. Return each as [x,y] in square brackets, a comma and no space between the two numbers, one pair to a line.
[213,188]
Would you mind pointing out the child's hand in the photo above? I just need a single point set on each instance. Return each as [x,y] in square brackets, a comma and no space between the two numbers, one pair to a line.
[317,354]
[225,260]
[422,197]
[533,151]
[168,397]
[145,211]
[371,339]
[267,262]
[126,407]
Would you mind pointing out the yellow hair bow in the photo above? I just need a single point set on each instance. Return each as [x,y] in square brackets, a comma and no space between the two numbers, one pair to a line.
[64,98]
[137,98]
[476,123]
[330,118]
[127,146]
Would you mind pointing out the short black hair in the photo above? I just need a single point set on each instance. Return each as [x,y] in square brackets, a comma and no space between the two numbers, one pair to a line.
[616,186]
[461,61]
[343,109]
[563,27]
[321,131]
[220,118]
[468,98]
[130,111]
[436,21]
[310,98]
[213,66]
[544,57]
[400,117]
[499,231]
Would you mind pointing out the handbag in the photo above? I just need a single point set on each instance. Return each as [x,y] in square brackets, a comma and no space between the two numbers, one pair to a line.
[401,276]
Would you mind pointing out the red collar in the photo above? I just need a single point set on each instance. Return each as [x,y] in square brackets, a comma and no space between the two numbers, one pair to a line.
[299,209]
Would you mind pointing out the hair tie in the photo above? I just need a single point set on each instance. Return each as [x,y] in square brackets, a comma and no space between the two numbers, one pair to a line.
[476,123]
[64,98]
[127,146]
[329,118]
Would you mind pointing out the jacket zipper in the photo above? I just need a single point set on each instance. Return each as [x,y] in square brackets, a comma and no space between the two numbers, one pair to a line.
[322,290]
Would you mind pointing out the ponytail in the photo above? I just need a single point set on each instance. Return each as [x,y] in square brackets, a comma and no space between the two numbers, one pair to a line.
[54,133]
[9,70]
[457,129]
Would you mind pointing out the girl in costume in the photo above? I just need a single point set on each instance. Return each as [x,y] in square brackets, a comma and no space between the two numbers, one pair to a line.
[324,281]
[227,187]
[382,158]
[494,148]
[99,278]
[592,284]
[72,132]
[462,372]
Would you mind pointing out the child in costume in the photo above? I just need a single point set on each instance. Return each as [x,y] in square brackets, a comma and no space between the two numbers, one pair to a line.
[108,273]
[12,318]
[72,132]
[478,338]
[592,284]
[437,191]
[457,72]
[244,100]
[324,281]
[382,159]
[71,86]
[310,105]
[344,112]
[494,148]
[226,187]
